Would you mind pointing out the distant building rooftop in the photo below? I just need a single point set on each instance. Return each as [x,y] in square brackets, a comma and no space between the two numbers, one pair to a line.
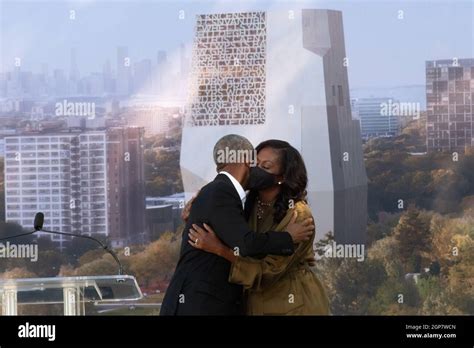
[176,200]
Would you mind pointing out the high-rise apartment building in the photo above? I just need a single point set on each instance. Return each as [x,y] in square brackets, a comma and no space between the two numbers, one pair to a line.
[449,104]
[86,182]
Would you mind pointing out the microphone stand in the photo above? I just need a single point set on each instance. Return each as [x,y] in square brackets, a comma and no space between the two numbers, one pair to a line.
[103,246]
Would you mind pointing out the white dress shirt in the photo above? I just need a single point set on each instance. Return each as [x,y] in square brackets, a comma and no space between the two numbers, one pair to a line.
[238,187]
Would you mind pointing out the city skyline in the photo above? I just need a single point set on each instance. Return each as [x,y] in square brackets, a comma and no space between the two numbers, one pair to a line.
[123,78]
[370,51]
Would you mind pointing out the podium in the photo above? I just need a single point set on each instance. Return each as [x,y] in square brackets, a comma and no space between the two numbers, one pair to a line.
[72,292]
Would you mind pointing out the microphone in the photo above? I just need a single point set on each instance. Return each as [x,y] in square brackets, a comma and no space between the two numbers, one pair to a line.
[39,220]
[38,226]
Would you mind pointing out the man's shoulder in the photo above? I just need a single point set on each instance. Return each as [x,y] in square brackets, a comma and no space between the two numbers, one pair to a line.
[221,182]
[220,185]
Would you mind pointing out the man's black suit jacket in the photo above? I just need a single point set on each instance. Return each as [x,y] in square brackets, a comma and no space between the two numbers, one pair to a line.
[200,283]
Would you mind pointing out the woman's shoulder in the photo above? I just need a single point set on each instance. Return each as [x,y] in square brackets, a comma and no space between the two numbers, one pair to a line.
[303,210]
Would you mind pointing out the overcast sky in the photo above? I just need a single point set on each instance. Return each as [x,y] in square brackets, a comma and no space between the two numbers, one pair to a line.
[383,50]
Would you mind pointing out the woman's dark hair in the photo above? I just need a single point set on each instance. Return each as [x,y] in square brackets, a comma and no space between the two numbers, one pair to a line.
[295,178]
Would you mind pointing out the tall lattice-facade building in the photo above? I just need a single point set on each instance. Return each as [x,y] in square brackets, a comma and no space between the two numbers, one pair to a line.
[264,75]
[228,70]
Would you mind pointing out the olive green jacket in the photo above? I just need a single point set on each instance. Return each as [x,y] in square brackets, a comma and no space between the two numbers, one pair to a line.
[281,285]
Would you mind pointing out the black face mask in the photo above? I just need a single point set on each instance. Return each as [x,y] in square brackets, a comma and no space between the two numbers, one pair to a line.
[260,179]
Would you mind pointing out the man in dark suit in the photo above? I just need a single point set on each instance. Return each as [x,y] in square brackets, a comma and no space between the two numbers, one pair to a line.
[200,283]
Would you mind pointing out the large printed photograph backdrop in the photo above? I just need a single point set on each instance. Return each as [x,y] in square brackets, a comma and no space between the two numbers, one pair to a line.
[109,111]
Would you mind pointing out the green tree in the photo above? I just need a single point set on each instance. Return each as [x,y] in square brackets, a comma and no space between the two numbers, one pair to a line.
[48,264]
[79,246]
[353,285]
[395,297]
[414,239]
[8,229]
[324,243]
[156,263]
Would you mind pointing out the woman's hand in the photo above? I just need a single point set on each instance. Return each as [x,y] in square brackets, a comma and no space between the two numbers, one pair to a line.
[187,208]
[205,240]
[208,241]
